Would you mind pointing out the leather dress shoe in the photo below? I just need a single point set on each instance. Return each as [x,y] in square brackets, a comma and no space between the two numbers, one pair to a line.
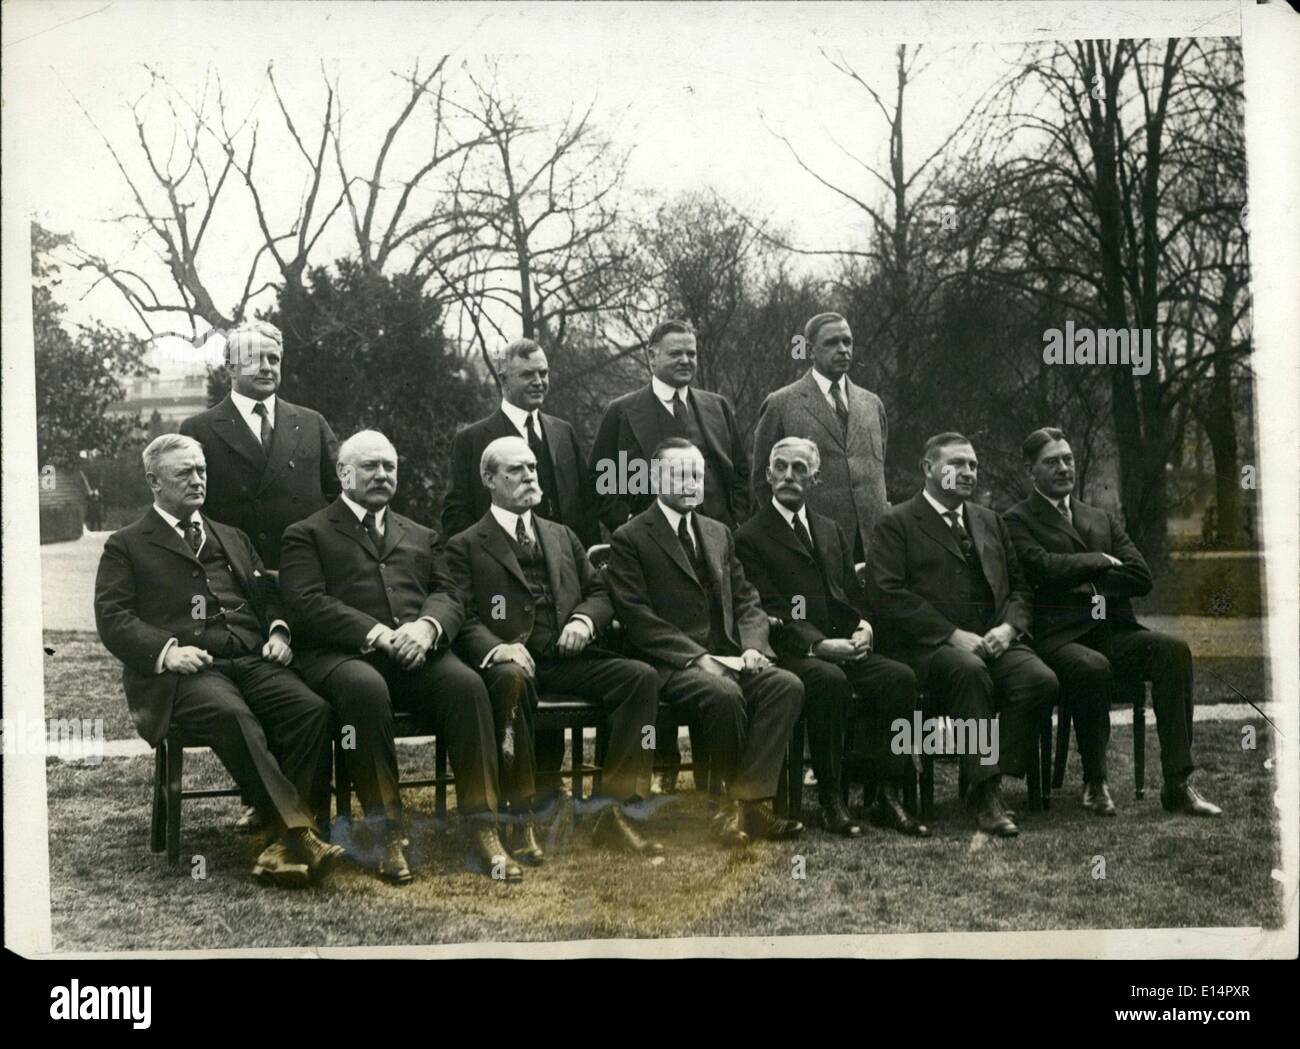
[1097,799]
[487,847]
[836,819]
[1181,796]
[393,866]
[762,822]
[664,782]
[729,825]
[615,831]
[990,814]
[307,847]
[278,866]
[889,811]
[250,821]
[529,849]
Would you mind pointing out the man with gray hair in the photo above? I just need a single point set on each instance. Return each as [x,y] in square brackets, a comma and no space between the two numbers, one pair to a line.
[205,647]
[847,422]
[368,591]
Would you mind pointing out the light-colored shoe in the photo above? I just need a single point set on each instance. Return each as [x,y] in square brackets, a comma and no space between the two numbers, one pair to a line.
[276,866]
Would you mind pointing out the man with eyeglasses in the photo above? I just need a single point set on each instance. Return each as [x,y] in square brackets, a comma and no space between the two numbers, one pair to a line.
[179,599]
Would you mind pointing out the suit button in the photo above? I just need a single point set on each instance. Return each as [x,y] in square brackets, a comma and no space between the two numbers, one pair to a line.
[198,631]
[195,572]
[528,606]
[291,467]
[244,489]
[389,589]
[261,535]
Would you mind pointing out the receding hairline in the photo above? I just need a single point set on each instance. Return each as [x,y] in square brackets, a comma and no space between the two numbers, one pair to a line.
[348,449]
[491,457]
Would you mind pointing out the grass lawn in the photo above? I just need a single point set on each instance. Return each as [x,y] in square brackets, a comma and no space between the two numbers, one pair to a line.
[107,890]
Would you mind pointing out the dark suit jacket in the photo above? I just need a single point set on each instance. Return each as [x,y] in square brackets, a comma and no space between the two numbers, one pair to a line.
[336,587]
[144,596]
[262,495]
[1066,566]
[632,424]
[781,569]
[659,599]
[852,476]
[915,572]
[485,569]
[467,500]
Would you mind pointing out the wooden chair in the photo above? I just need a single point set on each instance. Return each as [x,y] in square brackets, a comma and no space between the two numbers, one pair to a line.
[1129,691]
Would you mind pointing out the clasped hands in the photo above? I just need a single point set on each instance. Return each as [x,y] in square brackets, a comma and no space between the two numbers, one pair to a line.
[752,661]
[409,644]
[852,649]
[988,647]
[190,659]
[575,636]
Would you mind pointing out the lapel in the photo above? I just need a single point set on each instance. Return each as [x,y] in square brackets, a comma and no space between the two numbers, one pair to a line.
[163,535]
[713,424]
[986,544]
[346,523]
[815,405]
[284,441]
[826,540]
[239,565]
[554,549]
[494,541]
[713,557]
[935,526]
[560,451]
[784,533]
[1047,512]
[858,408]
[667,539]
[642,418]
[229,425]
[394,529]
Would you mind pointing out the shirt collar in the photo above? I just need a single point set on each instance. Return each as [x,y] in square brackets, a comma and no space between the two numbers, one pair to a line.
[825,384]
[359,511]
[246,405]
[789,514]
[519,417]
[174,521]
[1056,504]
[942,510]
[665,392]
[507,520]
[673,517]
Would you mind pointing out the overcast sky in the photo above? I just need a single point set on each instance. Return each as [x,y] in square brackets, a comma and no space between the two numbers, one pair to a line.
[698,92]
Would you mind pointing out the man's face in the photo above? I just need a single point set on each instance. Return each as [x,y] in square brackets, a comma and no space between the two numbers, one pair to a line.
[181,482]
[674,359]
[833,350]
[791,473]
[255,366]
[1053,471]
[679,481]
[369,475]
[525,380]
[514,485]
[951,475]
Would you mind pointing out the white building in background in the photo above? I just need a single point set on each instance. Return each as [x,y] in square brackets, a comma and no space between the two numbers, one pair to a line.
[177,387]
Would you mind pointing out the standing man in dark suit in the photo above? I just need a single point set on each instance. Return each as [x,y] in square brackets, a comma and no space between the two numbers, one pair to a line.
[847,422]
[376,613]
[561,465]
[950,601]
[801,566]
[179,600]
[271,462]
[1085,569]
[688,609]
[533,608]
[634,425]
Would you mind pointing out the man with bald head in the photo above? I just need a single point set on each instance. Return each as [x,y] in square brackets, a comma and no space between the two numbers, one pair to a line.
[375,613]
[846,421]
[534,608]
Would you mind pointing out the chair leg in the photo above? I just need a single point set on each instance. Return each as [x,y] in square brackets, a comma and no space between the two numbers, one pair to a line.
[795,794]
[575,752]
[158,818]
[1140,741]
[175,762]
[1062,747]
[927,787]
[440,772]
[909,789]
[602,747]
[1042,768]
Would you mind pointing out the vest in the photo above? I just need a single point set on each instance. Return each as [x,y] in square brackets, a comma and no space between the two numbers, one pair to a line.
[549,507]
[238,631]
[716,642]
[715,499]
[546,630]
[975,595]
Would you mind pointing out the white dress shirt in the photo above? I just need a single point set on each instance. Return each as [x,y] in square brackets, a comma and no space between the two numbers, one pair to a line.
[519,417]
[1062,505]
[666,394]
[825,384]
[674,518]
[245,405]
[943,511]
[176,524]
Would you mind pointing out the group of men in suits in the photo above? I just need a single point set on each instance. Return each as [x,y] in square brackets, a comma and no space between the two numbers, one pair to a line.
[735,623]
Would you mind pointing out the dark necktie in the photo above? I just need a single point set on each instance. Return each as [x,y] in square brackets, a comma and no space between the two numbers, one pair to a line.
[963,537]
[193,534]
[266,433]
[522,537]
[841,409]
[679,408]
[802,533]
[534,439]
[687,540]
[372,530]
[1064,507]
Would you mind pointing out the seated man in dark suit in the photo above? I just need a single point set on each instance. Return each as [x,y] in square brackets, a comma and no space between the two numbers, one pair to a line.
[1084,569]
[180,600]
[533,607]
[376,613]
[802,566]
[950,601]
[683,599]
